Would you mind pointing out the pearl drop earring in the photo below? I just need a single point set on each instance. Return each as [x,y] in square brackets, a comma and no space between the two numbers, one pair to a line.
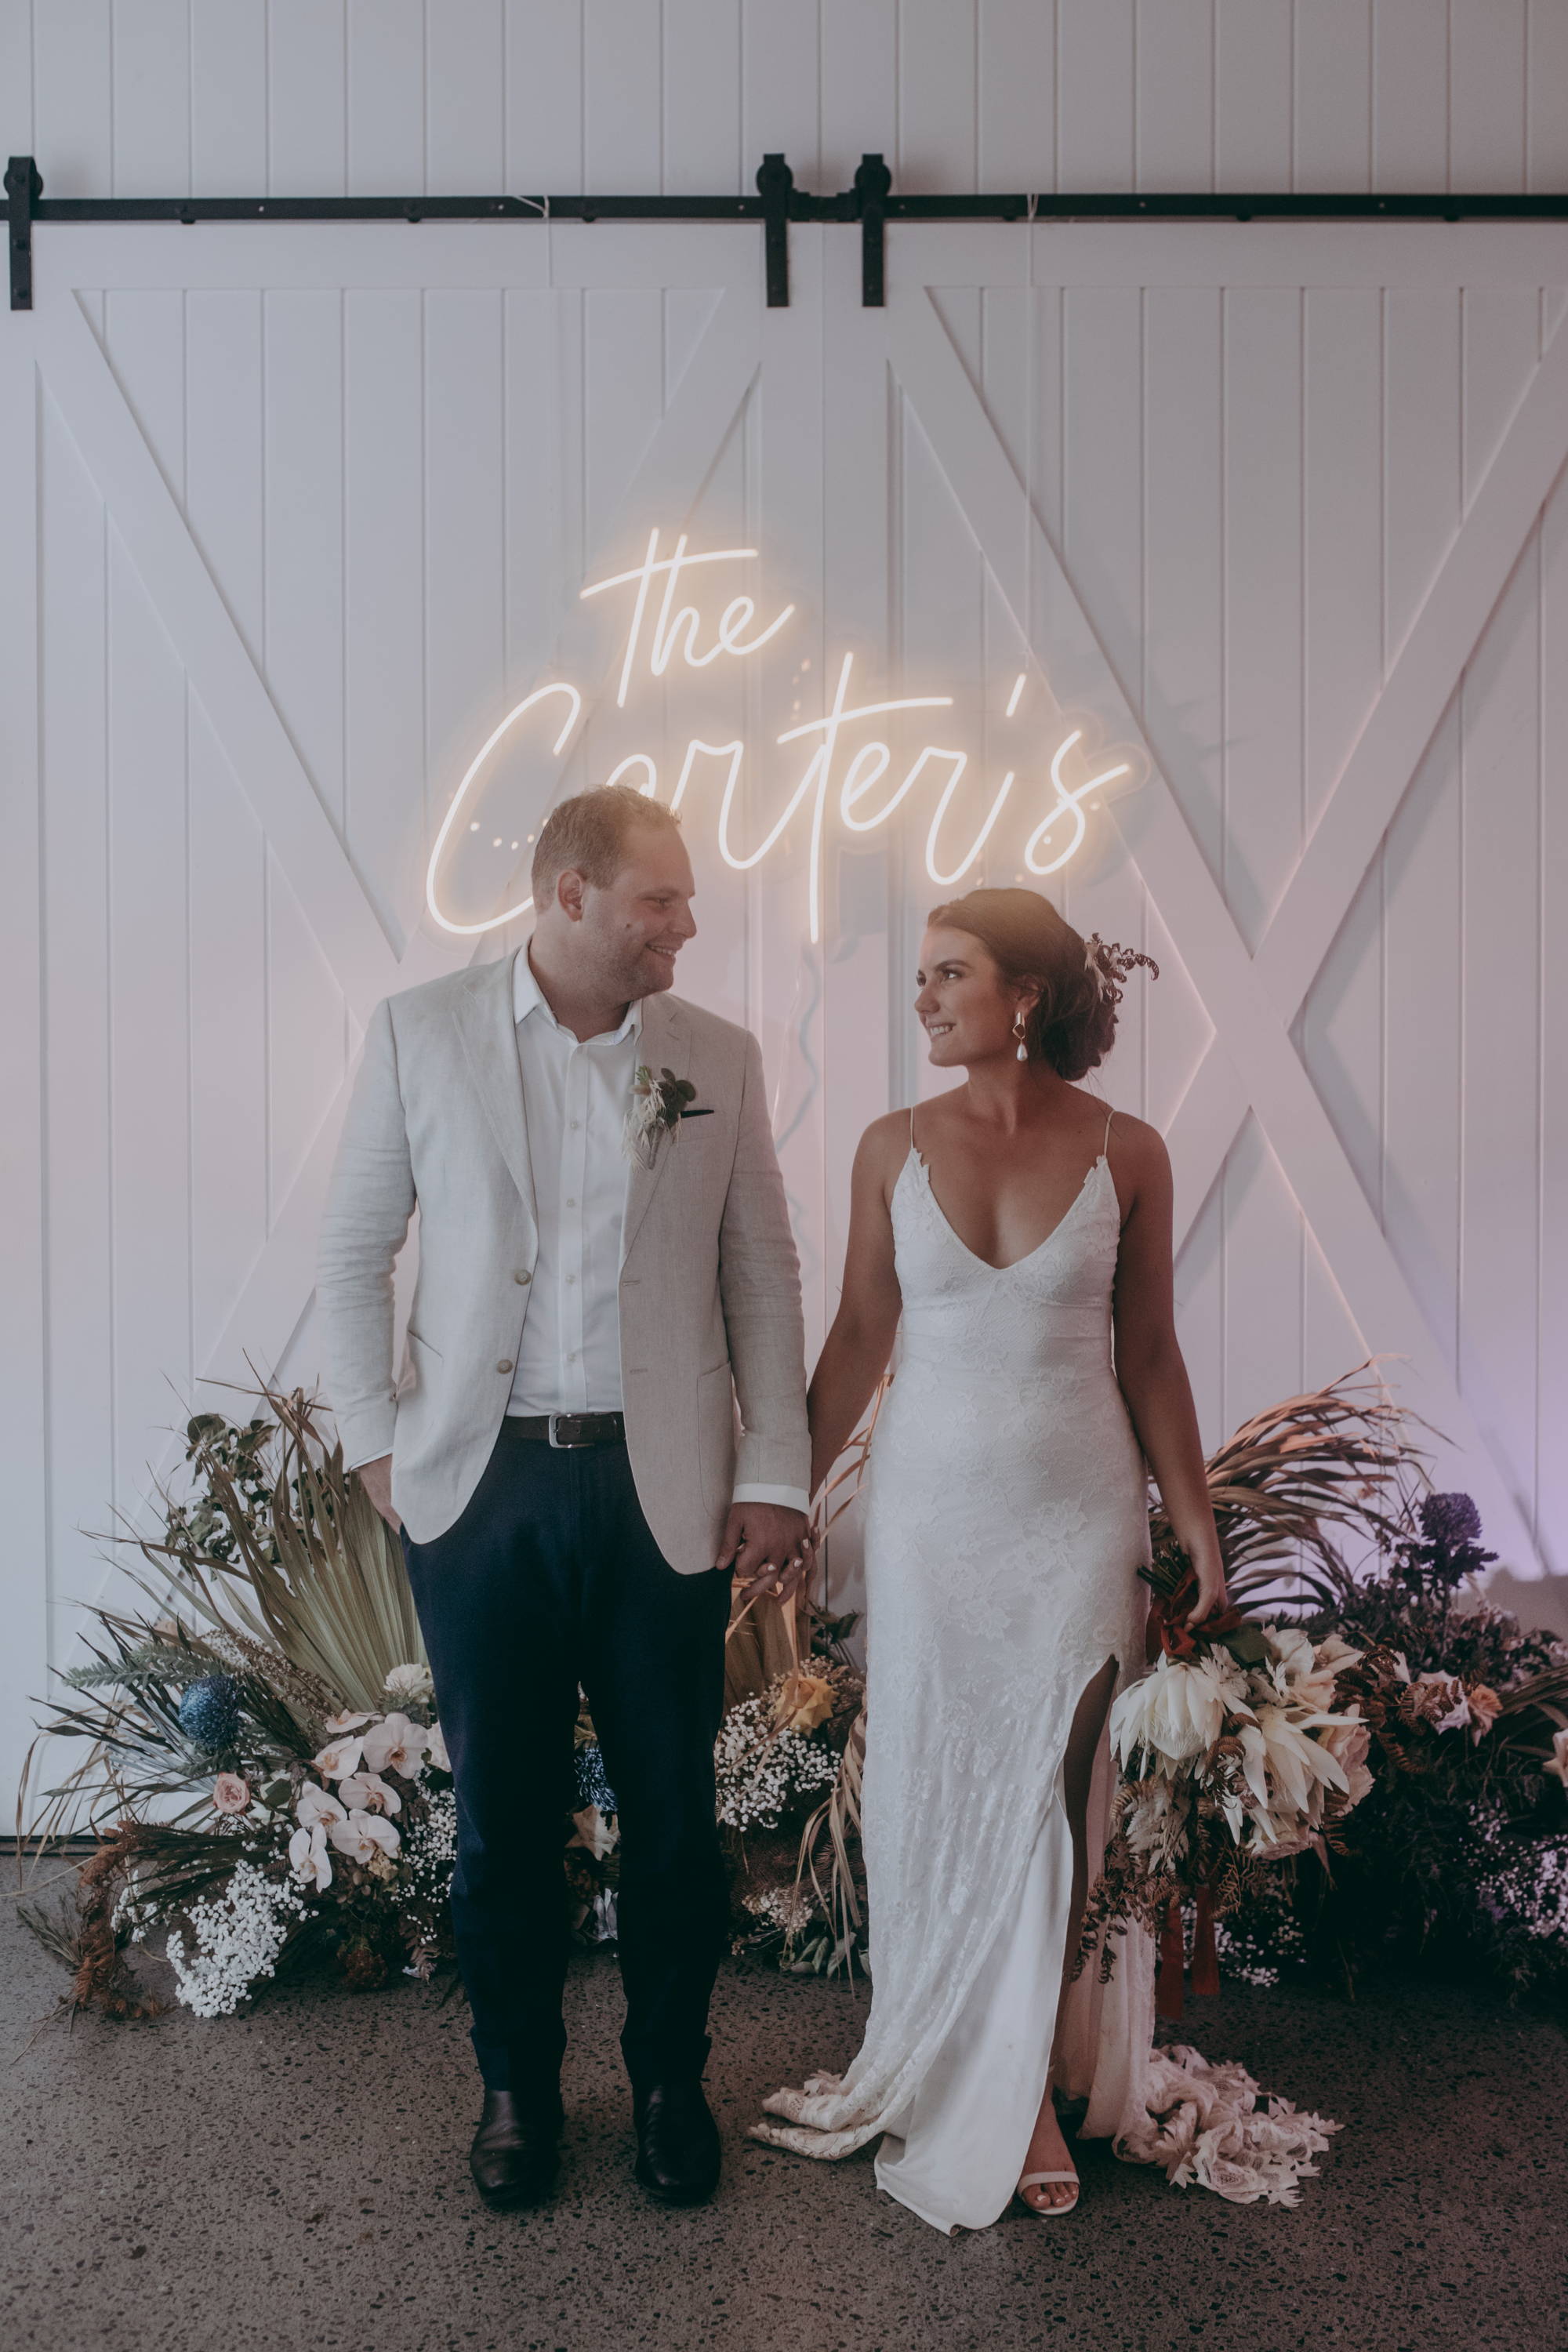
[1018,1028]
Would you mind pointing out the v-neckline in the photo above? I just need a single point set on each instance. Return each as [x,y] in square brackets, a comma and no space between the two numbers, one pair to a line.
[1013,1263]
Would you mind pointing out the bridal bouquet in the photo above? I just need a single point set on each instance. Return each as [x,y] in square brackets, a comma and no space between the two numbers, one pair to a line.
[1233,1754]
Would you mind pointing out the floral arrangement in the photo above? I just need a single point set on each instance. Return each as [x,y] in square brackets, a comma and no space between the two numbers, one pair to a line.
[1458,1854]
[779,1758]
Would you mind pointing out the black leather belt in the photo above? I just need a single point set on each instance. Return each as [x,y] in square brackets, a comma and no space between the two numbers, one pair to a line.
[570,1429]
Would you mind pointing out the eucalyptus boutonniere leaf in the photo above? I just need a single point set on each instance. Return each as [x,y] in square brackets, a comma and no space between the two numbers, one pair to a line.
[657,1107]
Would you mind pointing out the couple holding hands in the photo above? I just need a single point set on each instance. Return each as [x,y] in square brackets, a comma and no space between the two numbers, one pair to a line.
[602,1426]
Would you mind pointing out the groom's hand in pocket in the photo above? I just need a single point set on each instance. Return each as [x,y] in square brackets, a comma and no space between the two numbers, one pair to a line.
[769,1547]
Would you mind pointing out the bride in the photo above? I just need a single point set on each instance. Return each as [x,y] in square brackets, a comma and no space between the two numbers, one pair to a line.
[1021,1236]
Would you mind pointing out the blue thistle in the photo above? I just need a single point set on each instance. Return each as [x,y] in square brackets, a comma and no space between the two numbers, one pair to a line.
[589,1784]
[209,1712]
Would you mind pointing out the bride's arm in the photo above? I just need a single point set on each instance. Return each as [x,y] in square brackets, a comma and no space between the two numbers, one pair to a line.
[1149,1365]
[855,1354]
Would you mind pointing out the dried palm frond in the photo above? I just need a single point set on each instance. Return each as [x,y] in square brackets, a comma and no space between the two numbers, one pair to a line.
[839,1816]
[335,1599]
[1296,1480]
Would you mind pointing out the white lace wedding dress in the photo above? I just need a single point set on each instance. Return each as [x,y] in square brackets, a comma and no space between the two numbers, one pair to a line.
[1006,1519]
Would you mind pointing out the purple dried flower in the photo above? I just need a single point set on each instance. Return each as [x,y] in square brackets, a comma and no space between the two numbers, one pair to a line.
[1450,1521]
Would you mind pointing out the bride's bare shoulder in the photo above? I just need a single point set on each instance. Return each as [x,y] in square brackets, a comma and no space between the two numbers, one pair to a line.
[881,1152]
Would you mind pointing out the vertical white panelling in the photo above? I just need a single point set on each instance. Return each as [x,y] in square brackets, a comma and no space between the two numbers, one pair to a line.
[1498,1235]
[385,809]
[545,97]
[1551,1339]
[228,98]
[859,86]
[306,86]
[151,98]
[702,76]
[623,145]
[223,451]
[385,84]
[778,93]
[17,134]
[1018,96]
[464,507]
[149,980]
[1546,79]
[1175,94]
[79,1266]
[73,103]
[1102,547]
[1252,132]
[1263,793]
[1331,94]
[1486,93]
[1421,457]
[1182,679]
[23,1305]
[1409,95]
[1095,93]
[1343,1026]
[303,376]
[938,95]
[465,97]
[230,1146]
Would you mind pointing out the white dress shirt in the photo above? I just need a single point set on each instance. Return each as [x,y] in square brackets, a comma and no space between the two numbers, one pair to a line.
[576,1093]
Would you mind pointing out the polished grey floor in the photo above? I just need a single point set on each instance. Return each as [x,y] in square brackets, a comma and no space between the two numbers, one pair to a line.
[296,2179]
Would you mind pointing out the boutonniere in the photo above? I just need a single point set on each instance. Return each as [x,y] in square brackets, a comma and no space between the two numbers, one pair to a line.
[657,1107]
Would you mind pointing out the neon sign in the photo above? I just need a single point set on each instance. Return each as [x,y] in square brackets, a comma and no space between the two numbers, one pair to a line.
[676,630]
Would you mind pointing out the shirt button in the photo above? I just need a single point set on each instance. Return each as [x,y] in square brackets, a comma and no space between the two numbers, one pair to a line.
[521,1274]
[576,1124]
[571,1204]
[504,1365]
[569,1280]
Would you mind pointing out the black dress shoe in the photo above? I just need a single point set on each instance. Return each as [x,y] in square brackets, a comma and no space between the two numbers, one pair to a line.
[515,2149]
[677,2142]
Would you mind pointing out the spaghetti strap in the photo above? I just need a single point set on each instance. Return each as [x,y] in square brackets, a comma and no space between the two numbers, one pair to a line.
[1105,1146]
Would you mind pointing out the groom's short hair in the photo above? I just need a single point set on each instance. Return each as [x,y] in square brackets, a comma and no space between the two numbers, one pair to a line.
[589,834]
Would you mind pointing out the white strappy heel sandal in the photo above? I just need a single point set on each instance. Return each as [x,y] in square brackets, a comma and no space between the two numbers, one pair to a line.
[1045,2212]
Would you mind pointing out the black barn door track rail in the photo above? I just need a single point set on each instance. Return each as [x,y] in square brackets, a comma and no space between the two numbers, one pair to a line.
[869,204]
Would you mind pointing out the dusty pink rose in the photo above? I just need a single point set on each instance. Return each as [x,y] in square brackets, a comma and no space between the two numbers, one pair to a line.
[1349,1743]
[1485,1706]
[231,1794]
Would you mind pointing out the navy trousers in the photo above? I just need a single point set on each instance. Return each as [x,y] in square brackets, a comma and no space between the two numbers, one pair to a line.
[550,1578]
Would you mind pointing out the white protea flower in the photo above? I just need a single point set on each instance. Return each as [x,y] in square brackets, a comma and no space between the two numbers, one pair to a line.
[338,1759]
[1178,1712]
[396,1744]
[410,1682]
[316,1807]
[1303,1672]
[365,1835]
[308,1858]
[1299,1767]
[368,1792]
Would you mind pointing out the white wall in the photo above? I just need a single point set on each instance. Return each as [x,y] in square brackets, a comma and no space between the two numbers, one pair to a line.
[260,591]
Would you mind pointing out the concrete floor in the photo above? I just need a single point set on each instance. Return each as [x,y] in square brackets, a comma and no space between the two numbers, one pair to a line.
[297,2178]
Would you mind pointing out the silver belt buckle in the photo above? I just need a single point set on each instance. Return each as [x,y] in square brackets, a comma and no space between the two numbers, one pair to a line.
[565,1444]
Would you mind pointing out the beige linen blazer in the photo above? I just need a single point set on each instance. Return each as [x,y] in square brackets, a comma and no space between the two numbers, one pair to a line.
[709,1298]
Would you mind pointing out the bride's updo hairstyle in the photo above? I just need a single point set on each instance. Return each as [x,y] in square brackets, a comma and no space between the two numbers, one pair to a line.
[1072,1023]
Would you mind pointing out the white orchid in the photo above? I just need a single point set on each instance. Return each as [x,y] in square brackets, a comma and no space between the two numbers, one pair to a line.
[315,1807]
[1178,1712]
[365,1835]
[1558,1760]
[338,1759]
[438,1757]
[368,1792]
[409,1683]
[396,1744]
[339,1724]
[308,1858]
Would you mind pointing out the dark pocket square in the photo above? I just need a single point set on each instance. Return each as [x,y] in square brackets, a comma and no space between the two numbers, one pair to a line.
[707,1112]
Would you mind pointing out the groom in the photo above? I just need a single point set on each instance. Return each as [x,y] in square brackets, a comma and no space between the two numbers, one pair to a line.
[603,1275]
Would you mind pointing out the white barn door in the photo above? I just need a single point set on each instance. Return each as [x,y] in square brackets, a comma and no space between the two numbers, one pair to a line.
[1273,516]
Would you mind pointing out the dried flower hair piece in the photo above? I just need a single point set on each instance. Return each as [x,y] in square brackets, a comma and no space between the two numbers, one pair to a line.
[1111,963]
